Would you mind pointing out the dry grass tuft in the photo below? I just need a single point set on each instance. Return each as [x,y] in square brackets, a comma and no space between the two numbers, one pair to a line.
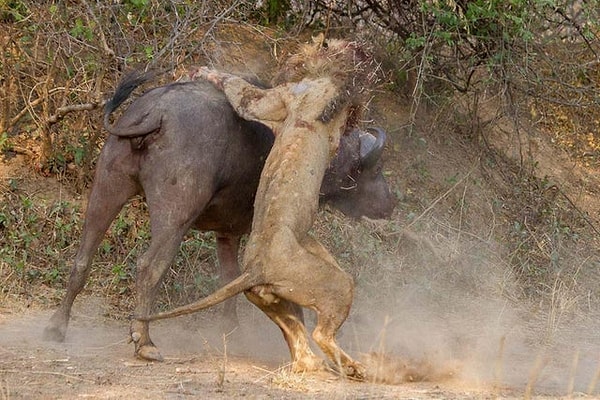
[284,378]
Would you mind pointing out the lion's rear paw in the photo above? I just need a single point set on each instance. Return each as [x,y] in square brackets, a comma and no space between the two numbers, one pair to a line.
[355,371]
[308,364]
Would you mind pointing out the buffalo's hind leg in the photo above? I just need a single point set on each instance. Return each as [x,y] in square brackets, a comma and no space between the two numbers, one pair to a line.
[172,213]
[151,267]
[110,192]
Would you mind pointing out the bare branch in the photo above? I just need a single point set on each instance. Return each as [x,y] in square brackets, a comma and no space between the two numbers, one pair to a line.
[62,111]
[107,50]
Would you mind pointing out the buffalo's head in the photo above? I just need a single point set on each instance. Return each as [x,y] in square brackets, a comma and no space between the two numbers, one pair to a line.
[354,183]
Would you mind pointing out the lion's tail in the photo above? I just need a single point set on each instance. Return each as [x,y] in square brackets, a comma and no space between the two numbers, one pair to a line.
[238,285]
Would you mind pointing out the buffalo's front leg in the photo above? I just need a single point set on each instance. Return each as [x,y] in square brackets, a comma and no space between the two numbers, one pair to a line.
[227,253]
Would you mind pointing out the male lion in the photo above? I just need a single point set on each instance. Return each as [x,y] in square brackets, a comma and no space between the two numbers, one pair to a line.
[284,266]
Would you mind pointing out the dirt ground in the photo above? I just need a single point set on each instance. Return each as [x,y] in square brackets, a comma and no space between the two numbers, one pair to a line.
[96,362]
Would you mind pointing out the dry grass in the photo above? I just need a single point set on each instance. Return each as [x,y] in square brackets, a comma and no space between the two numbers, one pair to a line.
[284,378]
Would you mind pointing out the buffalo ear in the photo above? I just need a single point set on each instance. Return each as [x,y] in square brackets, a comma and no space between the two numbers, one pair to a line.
[371,146]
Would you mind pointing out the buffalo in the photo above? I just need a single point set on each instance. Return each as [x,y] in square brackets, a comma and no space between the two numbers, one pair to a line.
[198,165]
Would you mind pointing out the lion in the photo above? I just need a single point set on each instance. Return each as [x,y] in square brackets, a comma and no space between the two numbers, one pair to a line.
[319,95]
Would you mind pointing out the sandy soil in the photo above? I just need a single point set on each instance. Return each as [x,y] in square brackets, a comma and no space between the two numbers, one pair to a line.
[96,362]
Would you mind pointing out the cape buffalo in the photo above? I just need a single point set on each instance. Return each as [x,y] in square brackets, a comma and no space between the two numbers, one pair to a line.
[198,165]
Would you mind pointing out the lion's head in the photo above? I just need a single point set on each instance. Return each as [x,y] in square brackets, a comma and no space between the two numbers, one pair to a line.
[347,63]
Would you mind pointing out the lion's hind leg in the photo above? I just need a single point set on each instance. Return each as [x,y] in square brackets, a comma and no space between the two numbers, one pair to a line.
[317,282]
[288,316]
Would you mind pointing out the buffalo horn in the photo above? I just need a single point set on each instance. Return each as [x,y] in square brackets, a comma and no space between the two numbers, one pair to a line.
[371,146]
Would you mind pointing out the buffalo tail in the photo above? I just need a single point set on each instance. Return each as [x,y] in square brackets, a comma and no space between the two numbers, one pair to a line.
[126,86]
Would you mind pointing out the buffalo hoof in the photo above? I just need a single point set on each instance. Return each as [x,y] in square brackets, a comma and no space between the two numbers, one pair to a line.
[54,333]
[56,330]
[144,348]
[148,352]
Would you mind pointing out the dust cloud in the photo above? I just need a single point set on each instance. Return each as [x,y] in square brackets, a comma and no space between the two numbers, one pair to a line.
[455,320]
[94,330]
[458,318]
